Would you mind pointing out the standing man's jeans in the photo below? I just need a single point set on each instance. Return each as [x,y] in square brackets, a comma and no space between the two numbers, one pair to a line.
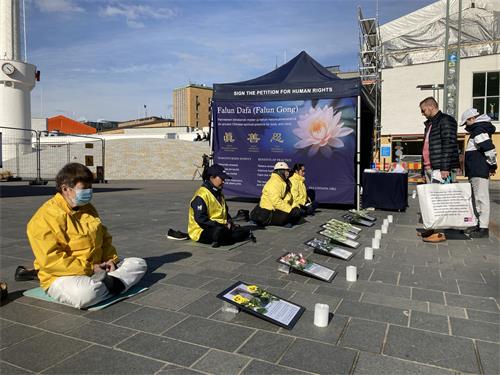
[481,194]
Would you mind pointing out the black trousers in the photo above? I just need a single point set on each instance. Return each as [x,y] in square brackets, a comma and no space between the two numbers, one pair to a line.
[265,217]
[223,235]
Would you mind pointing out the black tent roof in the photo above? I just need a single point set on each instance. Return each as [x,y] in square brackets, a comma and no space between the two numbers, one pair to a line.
[300,78]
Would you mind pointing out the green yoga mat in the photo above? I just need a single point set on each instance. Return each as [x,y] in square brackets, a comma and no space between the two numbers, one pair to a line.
[228,247]
[39,293]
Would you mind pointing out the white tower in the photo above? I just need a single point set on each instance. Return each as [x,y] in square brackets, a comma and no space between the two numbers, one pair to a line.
[17,79]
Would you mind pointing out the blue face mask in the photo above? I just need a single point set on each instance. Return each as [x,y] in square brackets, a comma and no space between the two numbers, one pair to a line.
[83,196]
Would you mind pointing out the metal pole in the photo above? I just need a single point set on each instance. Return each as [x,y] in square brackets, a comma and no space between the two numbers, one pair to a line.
[446,38]
[38,157]
[457,68]
[358,153]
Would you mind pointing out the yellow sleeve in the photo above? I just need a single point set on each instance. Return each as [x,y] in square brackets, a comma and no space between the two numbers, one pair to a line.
[50,254]
[108,250]
[295,191]
[275,191]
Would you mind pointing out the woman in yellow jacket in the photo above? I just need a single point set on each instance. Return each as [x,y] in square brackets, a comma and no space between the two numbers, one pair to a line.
[276,206]
[76,261]
[301,195]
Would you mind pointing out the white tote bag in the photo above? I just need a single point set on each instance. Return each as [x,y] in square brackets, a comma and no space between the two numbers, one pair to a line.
[446,206]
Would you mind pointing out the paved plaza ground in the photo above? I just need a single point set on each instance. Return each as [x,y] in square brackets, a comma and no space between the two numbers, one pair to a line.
[416,309]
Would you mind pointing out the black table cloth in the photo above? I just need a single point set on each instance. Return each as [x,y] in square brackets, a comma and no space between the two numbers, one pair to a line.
[387,191]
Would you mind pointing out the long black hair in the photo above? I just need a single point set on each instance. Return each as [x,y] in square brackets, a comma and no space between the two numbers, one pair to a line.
[297,167]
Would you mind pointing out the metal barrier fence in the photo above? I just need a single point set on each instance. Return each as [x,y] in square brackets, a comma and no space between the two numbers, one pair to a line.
[37,156]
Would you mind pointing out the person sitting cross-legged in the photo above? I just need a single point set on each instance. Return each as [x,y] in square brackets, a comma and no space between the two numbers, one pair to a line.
[76,261]
[300,194]
[209,220]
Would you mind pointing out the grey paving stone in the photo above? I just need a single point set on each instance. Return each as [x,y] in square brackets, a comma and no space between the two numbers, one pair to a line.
[163,348]
[25,313]
[477,303]
[305,328]
[263,281]
[203,306]
[373,364]
[319,358]
[429,322]
[478,290]
[338,293]
[5,368]
[388,277]
[381,288]
[63,323]
[13,333]
[101,333]
[244,319]
[427,295]
[483,316]
[373,312]
[188,280]
[218,285]
[217,362]
[176,370]
[266,346]
[474,329]
[259,368]
[171,297]
[42,351]
[426,283]
[364,335]
[401,303]
[150,320]
[464,275]
[488,353]
[99,360]
[457,312]
[209,333]
[301,287]
[309,300]
[433,348]
[113,312]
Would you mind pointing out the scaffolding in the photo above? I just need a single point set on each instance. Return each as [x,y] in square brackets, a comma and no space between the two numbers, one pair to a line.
[369,70]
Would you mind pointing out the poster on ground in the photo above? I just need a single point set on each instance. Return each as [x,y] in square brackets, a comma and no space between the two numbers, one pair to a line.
[251,136]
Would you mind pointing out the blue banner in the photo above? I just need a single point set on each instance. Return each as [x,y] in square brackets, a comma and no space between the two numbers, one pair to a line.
[250,137]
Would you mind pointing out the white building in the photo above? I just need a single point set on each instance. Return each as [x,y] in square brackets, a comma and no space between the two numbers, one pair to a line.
[413,69]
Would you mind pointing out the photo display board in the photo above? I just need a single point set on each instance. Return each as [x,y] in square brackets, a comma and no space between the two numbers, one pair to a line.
[351,228]
[341,231]
[334,236]
[356,219]
[325,247]
[257,301]
[363,214]
[297,262]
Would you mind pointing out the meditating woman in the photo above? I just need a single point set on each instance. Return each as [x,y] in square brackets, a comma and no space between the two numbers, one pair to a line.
[301,195]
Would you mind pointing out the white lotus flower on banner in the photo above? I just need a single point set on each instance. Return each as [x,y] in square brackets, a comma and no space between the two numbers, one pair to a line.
[320,130]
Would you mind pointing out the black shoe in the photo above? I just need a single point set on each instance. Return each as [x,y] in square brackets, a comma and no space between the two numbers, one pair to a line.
[177,235]
[242,215]
[252,238]
[3,292]
[480,233]
[23,274]
[216,244]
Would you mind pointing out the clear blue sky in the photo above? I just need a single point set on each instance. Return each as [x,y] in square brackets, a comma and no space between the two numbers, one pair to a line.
[106,59]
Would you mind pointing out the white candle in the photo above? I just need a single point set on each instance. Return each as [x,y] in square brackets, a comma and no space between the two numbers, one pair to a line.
[375,243]
[384,229]
[386,222]
[378,233]
[368,253]
[390,218]
[321,312]
[351,273]
[414,194]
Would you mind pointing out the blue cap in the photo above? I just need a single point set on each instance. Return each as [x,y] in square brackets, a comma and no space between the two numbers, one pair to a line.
[217,170]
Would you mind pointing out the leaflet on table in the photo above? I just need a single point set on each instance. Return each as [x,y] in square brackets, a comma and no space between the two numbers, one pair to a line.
[357,220]
[326,247]
[363,214]
[299,263]
[340,231]
[351,228]
[257,301]
[335,237]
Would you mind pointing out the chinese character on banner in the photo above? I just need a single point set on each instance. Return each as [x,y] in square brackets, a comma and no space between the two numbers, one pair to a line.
[253,138]
[277,137]
[228,137]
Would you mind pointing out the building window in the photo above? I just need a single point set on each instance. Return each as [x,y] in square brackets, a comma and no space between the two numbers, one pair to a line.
[486,93]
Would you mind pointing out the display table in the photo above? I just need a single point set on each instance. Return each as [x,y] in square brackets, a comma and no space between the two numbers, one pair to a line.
[388,191]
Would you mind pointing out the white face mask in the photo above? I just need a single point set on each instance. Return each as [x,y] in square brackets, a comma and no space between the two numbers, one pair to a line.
[82,196]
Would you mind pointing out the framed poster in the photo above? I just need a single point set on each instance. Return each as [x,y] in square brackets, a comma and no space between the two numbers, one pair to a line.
[357,220]
[338,238]
[256,301]
[325,247]
[341,231]
[297,262]
[363,214]
[351,228]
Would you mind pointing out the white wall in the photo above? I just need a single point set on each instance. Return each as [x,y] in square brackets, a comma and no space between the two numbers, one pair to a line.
[400,96]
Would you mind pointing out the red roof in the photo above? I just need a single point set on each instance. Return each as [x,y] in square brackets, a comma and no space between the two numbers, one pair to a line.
[68,126]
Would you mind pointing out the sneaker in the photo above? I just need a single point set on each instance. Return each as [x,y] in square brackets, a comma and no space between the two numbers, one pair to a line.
[177,235]
[480,233]
[435,238]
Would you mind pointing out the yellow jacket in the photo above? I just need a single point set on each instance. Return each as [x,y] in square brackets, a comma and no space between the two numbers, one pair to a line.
[67,242]
[298,190]
[216,212]
[275,195]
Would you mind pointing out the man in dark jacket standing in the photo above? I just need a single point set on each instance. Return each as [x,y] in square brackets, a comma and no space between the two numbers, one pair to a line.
[439,153]
[480,164]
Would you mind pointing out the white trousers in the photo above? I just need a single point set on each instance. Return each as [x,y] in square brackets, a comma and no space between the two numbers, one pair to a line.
[83,291]
[481,193]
